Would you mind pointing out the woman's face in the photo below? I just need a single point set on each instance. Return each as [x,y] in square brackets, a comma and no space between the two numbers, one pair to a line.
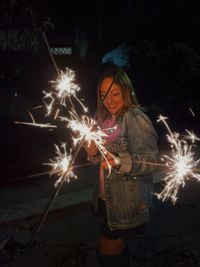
[114,100]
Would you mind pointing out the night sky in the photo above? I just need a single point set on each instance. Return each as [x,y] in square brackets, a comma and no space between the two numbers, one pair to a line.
[154,20]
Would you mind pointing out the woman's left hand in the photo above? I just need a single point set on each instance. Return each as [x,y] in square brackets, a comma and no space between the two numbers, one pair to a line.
[112,159]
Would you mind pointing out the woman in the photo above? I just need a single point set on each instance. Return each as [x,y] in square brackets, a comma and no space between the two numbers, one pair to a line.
[122,196]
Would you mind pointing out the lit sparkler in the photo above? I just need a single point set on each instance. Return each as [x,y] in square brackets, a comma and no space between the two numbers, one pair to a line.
[65,87]
[181,164]
[88,129]
[60,164]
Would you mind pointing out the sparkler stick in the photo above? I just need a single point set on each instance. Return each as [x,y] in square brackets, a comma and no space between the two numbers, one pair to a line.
[83,165]
[69,166]
[54,62]
[79,166]
[49,50]
[65,176]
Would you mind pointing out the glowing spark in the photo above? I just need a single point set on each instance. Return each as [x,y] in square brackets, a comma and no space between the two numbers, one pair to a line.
[191,111]
[181,165]
[47,125]
[60,164]
[191,136]
[37,107]
[66,86]
[85,109]
[87,128]
[49,106]
[56,114]
[111,129]
[33,123]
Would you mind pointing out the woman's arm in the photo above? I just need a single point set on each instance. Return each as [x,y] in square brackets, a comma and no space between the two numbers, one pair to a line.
[142,145]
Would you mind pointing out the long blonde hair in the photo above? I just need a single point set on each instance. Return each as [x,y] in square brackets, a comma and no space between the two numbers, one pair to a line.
[120,78]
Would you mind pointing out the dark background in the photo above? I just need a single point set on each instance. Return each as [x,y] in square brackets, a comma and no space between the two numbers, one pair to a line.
[163,63]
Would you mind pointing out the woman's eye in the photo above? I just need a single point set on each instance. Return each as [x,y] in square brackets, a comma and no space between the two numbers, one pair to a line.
[116,94]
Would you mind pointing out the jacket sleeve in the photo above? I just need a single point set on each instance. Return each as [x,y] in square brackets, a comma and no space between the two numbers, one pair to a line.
[142,145]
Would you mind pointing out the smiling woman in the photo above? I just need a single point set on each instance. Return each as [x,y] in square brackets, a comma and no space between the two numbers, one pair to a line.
[123,195]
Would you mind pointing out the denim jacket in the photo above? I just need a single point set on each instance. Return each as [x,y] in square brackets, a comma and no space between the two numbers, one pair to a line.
[128,189]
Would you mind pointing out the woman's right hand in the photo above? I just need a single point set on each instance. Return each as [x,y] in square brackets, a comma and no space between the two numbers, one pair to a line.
[91,149]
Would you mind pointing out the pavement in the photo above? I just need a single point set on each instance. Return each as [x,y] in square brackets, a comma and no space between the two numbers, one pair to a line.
[69,234]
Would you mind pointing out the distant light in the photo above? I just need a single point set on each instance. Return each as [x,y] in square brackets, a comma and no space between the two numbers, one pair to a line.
[15,94]
[60,51]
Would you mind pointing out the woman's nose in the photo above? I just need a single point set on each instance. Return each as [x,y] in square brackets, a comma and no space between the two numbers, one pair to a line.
[109,99]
